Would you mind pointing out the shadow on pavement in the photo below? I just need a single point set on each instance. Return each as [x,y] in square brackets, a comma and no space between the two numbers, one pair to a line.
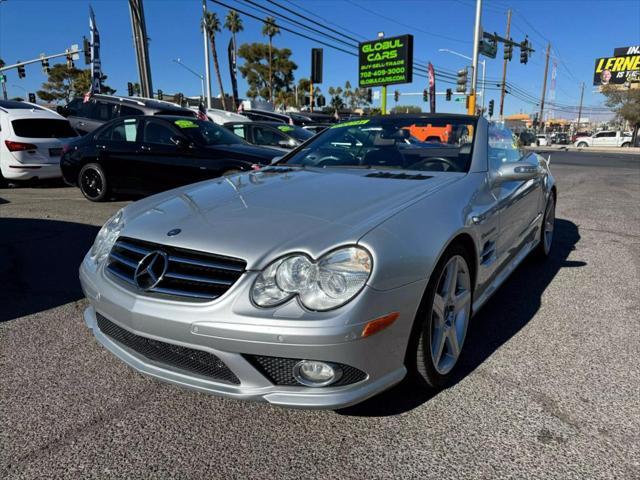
[509,310]
[39,261]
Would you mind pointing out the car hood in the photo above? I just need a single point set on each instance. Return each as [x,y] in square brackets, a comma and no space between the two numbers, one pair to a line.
[250,153]
[260,215]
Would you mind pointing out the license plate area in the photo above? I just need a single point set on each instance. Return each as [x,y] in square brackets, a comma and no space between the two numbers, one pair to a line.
[55,152]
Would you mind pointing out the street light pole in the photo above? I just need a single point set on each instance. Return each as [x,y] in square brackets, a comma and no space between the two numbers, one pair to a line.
[179,62]
[205,35]
[476,46]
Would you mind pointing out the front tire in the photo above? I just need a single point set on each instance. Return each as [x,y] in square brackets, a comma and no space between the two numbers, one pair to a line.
[583,144]
[546,232]
[442,320]
[93,182]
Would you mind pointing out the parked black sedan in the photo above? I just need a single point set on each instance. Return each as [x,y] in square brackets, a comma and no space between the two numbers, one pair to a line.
[143,155]
[271,134]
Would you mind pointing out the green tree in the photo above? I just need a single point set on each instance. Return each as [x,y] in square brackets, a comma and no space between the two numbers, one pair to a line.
[626,104]
[270,29]
[336,103]
[257,73]
[66,83]
[233,23]
[406,109]
[212,26]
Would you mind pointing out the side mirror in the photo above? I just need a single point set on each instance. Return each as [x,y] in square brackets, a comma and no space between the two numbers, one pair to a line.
[180,142]
[275,160]
[515,172]
[62,110]
[286,143]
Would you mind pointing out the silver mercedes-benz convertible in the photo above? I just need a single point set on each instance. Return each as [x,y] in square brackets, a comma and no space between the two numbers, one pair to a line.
[327,277]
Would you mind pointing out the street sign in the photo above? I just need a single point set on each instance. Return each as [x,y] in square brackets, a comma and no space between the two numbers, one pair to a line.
[3,79]
[459,99]
[74,51]
[387,61]
[376,94]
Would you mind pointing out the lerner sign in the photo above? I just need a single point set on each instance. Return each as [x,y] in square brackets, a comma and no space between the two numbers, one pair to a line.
[386,61]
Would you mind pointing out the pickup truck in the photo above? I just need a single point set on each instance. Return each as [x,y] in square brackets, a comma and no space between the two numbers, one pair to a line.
[606,138]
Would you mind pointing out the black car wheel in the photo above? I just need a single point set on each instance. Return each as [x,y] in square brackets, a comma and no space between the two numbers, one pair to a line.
[93,182]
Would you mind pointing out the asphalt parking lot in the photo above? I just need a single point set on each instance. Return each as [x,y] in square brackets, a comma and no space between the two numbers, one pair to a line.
[550,386]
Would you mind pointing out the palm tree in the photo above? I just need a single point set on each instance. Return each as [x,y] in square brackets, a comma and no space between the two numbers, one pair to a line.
[212,25]
[270,29]
[233,23]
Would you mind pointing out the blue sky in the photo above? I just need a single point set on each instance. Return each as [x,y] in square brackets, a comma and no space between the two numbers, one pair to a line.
[579,31]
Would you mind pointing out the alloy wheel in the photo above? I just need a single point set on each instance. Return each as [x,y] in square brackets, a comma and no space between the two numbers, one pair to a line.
[549,223]
[92,183]
[450,314]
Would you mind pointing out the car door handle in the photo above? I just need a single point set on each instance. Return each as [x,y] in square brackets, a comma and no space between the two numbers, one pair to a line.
[145,148]
[102,147]
[82,124]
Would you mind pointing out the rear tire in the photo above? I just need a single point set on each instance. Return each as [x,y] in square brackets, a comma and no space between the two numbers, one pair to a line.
[441,324]
[626,145]
[93,182]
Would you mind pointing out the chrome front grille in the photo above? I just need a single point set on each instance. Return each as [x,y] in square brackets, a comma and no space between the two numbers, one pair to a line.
[190,275]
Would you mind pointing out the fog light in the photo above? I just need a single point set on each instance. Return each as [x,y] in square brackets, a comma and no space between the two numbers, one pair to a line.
[313,373]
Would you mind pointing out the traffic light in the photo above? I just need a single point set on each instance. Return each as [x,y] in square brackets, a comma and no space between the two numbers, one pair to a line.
[70,63]
[87,50]
[508,51]
[462,81]
[32,98]
[524,51]
[369,95]
[448,95]
[321,101]
[396,95]
[491,103]
[425,95]
[130,89]
[316,65]
[21,72]
[160,94]
[45,66]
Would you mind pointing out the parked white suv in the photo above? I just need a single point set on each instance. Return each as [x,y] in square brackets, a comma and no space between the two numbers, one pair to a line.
[606,138]
[31,139]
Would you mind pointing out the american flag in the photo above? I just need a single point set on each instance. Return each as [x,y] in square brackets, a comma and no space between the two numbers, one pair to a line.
[202,112]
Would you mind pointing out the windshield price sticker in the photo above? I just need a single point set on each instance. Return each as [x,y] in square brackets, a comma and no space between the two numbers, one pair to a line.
[285,128]
[386,61]
[186,124]
[353,123]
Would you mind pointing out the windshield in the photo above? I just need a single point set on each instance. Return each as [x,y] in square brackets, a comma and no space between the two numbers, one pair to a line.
[207,133]
[43,128]
[296,132]
[430,143]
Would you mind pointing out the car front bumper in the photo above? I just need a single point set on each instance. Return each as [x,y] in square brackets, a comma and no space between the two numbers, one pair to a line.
[232,337]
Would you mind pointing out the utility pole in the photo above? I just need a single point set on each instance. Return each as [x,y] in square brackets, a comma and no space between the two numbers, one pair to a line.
[544,86]
[476,45]
[205,35]
[504,69]
[310,95]
[580,109]
[139,29]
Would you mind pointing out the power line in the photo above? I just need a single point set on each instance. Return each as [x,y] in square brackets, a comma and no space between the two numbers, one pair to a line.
[412,27]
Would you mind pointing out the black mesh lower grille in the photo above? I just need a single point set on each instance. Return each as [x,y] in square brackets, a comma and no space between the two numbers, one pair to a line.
[279,370]
[186,359]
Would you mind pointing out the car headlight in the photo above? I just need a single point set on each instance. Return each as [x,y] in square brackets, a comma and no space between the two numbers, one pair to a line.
[331,281]
[107,237]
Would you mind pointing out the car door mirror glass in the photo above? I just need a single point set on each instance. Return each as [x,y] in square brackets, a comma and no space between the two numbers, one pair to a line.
[515,172]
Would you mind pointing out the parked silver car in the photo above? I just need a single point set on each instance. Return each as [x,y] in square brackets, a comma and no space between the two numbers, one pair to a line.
[324,279]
